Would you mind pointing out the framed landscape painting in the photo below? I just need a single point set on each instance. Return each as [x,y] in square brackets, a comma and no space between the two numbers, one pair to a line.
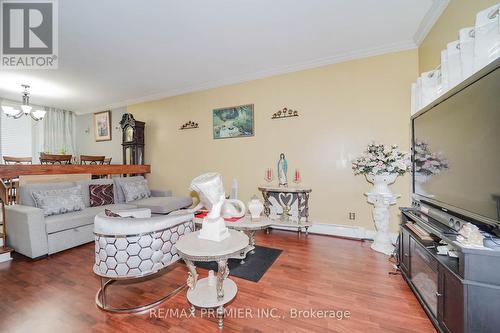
[233,122]
[102,126]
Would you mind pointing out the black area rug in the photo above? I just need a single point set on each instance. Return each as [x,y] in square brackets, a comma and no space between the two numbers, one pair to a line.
[255,265]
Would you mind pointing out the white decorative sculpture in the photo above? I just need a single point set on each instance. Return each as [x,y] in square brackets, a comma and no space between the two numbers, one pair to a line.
[255,207]
[233,208]
[445,72]
[429,86]
[454,65]
[467,51]
[381,197]
[469,235]
[211,192]
[234,189]
[282,170]
[211,278]
[477,47]
[487,36]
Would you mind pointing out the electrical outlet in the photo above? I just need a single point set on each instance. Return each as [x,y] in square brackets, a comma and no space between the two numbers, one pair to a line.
[352,216]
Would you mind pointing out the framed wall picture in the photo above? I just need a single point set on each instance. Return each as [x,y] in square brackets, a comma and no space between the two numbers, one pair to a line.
[102,126]
[233,122]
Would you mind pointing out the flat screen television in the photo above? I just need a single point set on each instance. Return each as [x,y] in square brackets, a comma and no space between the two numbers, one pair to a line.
[456,150]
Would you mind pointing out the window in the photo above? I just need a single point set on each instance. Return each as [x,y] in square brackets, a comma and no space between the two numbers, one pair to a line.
[15,137]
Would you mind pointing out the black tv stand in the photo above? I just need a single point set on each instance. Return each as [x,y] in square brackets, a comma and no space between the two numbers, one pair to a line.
[460,295]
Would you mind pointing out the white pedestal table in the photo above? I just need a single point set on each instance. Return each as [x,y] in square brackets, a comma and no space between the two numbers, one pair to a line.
[200,293]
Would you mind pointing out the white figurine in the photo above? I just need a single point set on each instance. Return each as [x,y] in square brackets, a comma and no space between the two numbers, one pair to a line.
[469,235]
[211,192]
[282,170]
[255,207]
[233,208]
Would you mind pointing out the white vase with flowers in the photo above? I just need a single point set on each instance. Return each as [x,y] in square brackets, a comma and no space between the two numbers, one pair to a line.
[381,166]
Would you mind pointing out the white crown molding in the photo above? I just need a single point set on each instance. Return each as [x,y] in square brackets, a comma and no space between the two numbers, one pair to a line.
[430,18]
[337,58]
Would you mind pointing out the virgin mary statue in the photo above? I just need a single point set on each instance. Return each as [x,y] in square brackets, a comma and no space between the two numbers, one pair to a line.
[282,170]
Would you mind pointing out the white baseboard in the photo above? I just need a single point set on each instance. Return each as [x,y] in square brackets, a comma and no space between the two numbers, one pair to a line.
[347,231]
[371,233]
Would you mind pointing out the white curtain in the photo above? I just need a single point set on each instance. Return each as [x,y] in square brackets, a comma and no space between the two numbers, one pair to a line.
[59,131]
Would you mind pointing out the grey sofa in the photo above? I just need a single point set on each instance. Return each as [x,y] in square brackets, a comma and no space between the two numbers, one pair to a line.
[32,234]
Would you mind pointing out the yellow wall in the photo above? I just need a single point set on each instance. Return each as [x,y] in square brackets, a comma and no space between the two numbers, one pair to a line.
[459,14]
[342,108]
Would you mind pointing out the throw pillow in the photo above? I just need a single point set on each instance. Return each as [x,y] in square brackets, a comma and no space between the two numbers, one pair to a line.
[136,190]
[59,201]
[110,213]
[101,195]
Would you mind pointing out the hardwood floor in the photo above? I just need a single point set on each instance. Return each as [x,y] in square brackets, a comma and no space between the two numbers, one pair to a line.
[315,272]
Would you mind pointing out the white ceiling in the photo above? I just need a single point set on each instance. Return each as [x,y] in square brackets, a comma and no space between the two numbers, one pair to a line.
[118,52]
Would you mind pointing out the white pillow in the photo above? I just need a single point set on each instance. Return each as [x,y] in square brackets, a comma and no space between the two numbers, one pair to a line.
[136,190]
[59,201]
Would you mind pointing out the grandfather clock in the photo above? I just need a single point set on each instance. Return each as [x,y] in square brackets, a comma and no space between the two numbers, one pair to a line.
[132,139]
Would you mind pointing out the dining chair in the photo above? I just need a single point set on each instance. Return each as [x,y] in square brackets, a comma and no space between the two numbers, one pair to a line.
[11,185]
[17,160]
[96,160]
[55,159]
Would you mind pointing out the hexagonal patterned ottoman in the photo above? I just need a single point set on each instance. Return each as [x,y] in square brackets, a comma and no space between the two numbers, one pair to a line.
[130,247]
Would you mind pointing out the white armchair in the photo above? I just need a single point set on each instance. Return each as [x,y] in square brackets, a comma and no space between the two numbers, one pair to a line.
[136,245]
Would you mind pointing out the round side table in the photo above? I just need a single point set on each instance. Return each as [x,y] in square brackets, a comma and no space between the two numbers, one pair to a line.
[200,293]
[247,225]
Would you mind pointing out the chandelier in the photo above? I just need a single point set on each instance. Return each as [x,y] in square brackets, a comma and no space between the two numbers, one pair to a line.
[26,108]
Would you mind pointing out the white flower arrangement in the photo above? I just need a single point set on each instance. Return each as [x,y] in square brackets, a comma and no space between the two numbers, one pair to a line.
[379,159]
